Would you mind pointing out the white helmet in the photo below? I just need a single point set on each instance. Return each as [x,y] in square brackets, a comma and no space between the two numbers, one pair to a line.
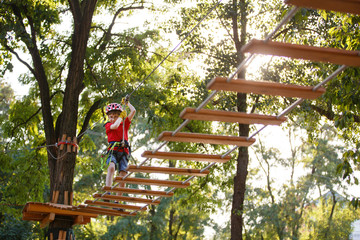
[113,107]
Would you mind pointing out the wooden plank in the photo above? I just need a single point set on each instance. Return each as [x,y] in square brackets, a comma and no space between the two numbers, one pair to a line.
[47,219]
[61,235]
[345,6]
[168,170]
[127,199]
[33,207]
[228,116]
[206,138]
[186,156]
[32,216]
[116,205]
[138,191]
[104,211]
[56,196]
[266,88]
[147,181]
[79,220]
[66,197]
[316,54]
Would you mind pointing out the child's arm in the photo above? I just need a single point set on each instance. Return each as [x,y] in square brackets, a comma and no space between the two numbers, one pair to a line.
[132,111]
[116,124]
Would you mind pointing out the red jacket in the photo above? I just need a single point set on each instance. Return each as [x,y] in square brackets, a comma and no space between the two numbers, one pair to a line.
[116,135]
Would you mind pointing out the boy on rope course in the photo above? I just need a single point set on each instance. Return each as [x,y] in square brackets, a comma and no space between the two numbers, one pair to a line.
[117,128]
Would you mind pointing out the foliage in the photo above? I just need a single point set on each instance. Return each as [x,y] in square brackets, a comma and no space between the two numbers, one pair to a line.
[282,208]
[13,228]
[317,226]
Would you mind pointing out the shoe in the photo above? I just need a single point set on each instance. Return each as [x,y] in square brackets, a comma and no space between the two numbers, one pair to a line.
[105,200]
[118,209]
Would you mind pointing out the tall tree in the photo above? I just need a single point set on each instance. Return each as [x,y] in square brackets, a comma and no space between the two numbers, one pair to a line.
[223,55]
[62,64]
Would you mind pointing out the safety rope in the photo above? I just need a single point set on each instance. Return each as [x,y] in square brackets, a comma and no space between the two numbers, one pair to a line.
[163,60]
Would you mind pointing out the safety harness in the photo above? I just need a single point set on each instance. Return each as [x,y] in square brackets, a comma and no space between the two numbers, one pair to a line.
[115,147]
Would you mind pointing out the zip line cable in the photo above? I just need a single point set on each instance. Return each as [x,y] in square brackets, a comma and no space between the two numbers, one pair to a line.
[142,82]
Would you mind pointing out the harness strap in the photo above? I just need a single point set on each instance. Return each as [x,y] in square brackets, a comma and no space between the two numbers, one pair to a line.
[121,144]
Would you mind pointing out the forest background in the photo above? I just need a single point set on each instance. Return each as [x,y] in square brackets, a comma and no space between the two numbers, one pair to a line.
[321,139]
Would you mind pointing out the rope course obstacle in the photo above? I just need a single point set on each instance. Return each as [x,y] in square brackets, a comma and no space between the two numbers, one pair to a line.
[92,208]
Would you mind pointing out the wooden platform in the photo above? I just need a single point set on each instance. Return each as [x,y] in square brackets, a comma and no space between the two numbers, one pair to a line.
[266,88]
[168,170]
[316,54]
[139,191]
[46,213]
[206,138]
[126,199]
[186,156]
[228,116]
[345,6]
[156,182]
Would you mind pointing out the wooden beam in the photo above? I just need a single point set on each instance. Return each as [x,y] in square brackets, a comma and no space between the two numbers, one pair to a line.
[79,220]
[345,6]
[104,211]
[266,88]
[138,191]
[316,54]
[206,138]
[46,220]
[228,116]
[127,199]
[147,181]
[186,156]
[56,196]
[167,170]
[61,235]
[33,207]
[32,216]
[66,197]
[116,205]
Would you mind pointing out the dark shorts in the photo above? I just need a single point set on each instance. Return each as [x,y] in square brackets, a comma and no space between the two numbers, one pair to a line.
[120,159]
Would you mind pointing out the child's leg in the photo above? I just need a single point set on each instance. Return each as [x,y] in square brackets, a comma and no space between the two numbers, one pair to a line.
[110,174]
[122,174]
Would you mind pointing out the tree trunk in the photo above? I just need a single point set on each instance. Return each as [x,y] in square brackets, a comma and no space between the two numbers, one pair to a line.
[153,227]
[331,214]
[240,178]
[63,175]
[171,222]
[243,157]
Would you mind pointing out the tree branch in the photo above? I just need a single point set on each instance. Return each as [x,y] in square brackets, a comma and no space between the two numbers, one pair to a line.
[20,60]
[223,24]
[92,109]
[107,35]
[33,115]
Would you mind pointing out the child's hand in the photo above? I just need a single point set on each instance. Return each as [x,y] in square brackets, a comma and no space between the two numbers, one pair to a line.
[125,100]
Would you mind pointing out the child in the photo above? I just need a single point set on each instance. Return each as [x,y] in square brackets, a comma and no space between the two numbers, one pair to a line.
[117,135]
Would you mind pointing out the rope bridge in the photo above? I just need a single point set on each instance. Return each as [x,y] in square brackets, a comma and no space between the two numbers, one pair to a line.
[101,205]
